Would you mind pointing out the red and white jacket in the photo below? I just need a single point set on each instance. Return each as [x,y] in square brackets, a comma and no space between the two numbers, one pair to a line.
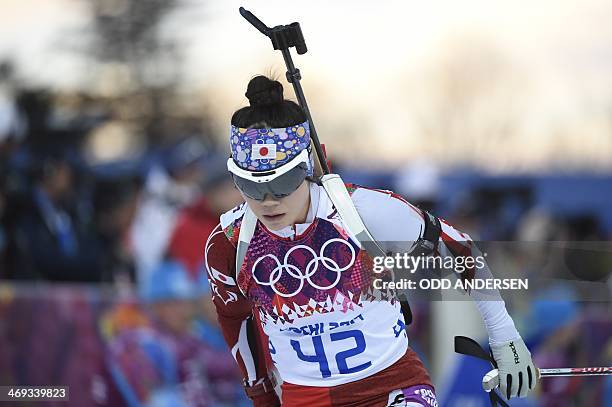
[303,300]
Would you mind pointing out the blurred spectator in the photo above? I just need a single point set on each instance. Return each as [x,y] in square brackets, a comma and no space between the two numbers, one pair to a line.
[12,121]
[167,364]
[206,324]
[51,236]
[114,203]
[586,255]
[12,132]
[538,225]
[48,242]
[584,341]
[493,212]
[168,187]
[196,221]
[3,232]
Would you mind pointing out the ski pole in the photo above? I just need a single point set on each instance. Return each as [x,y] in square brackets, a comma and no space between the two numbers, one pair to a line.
[284,37]
[490,381]
[468,346]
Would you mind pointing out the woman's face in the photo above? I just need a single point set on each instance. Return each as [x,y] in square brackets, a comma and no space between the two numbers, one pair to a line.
[276,214]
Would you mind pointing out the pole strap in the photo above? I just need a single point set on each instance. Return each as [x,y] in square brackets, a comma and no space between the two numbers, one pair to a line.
[468,346]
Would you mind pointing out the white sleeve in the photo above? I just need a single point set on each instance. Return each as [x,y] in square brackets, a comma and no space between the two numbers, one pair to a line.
[393,222]
[500,326]
[396,224]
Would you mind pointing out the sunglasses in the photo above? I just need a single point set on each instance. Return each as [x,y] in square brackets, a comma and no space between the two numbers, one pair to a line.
[278,188]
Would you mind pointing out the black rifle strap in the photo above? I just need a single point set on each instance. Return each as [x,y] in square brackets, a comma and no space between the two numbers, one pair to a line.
[425,246]
[428,243]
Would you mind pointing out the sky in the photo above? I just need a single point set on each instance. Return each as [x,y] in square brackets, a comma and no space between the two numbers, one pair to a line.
[387,80]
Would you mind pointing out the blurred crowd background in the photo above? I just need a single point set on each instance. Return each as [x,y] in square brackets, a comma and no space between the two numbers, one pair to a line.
[113,122]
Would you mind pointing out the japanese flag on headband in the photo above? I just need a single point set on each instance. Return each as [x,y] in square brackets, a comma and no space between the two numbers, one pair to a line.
[263,151]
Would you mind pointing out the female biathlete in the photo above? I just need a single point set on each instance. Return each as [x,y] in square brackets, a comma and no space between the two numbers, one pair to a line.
[296,305]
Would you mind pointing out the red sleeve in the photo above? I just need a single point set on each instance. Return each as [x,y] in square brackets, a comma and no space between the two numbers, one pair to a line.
[458,244]
[234,312]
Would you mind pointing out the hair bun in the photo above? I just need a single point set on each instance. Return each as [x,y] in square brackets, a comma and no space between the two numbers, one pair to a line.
[263,92]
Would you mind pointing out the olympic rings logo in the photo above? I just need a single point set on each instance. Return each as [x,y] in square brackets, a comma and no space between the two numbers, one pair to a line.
[311,268]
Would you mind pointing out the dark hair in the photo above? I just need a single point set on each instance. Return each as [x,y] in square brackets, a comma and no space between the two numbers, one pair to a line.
[267,107]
